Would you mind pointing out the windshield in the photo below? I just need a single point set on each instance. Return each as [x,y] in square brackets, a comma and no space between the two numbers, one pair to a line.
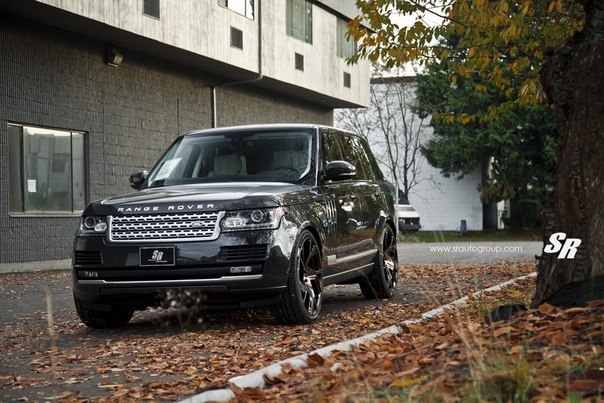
[285,156]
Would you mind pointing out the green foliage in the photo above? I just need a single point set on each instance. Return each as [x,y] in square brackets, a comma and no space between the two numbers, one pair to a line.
[503,42]
[486,96]
[522,142]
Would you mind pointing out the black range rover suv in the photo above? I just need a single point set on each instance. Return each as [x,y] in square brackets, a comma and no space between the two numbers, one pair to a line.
[246,216]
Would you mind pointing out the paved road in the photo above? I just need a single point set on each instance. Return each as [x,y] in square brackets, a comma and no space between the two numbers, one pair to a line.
[27,296]
[466,252]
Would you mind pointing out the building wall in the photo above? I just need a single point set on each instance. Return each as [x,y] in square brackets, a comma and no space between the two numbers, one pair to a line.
[443,202]
[323,70]
[130,114]
[203,27]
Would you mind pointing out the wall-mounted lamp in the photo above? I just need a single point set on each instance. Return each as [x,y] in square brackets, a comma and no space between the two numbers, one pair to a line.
[113,56]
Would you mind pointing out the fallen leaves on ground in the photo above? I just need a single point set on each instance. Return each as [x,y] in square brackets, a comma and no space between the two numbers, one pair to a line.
[174,354]
[540,355]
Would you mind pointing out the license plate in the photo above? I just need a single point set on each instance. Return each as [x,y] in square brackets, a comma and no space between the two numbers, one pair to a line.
[163,256]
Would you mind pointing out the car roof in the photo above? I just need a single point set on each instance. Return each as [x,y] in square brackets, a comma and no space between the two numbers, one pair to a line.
[257,127]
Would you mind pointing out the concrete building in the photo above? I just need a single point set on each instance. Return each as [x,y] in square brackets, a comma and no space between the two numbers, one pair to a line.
[92,91]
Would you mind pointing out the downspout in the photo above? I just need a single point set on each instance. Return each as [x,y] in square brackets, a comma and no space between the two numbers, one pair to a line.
[233,83]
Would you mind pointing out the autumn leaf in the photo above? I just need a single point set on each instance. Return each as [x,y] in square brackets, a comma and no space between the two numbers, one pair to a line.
[546,309]
[503,330]
[408,371]
[315,360]
[404,382]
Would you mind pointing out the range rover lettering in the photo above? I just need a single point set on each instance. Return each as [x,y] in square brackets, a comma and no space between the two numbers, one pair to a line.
[264,215]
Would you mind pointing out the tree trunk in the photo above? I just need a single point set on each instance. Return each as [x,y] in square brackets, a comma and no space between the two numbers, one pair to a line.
[574,81]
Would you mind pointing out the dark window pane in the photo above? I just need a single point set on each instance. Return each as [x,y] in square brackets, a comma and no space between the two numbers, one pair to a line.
[236,38]
[151,8]
[347,80]
[299,62]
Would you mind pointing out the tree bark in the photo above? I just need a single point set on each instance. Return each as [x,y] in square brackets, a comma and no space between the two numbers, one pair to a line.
[574,81]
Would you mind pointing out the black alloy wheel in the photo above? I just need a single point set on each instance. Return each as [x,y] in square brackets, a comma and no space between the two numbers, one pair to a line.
[301,302]
[383,279]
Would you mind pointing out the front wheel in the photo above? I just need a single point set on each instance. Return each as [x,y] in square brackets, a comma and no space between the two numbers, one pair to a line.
[301,302]
[114,317]
[383,279]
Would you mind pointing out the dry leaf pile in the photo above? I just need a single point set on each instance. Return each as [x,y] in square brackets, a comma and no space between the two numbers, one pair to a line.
[169,355]
[542,355]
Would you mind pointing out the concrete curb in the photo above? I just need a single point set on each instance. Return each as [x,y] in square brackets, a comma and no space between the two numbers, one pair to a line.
[256,379]
[39,265]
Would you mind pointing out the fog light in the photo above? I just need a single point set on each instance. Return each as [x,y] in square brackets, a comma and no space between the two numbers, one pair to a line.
[241,269]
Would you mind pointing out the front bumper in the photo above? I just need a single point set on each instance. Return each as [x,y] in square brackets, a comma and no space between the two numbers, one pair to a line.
[238,269]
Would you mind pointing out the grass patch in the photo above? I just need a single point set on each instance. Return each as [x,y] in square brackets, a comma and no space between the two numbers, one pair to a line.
[470,236]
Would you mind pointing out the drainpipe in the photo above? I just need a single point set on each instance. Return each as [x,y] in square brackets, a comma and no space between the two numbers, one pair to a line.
[233,83]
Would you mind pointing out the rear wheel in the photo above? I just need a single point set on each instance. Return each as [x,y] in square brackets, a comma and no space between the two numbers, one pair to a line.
[383,279]
[301,302]
[114,317]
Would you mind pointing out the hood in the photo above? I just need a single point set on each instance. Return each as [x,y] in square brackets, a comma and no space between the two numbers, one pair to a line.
[203,197]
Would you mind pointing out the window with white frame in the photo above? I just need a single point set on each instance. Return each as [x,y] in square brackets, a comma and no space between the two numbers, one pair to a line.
[47,170]
[243,7]
[346,45]
[299,19]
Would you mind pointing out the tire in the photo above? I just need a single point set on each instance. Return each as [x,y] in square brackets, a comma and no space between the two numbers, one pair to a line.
[115,317]
[301,302]
[383,279]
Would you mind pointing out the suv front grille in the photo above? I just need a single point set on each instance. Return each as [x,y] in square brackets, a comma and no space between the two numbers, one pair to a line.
[165,227]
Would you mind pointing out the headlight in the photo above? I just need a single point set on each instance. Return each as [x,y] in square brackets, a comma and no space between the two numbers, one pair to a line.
[252,219]
[92,225]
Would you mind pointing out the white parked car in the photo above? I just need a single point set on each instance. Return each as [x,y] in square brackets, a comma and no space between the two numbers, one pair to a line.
[408,218]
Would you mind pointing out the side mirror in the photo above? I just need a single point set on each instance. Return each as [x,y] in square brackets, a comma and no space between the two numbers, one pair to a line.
[339,170]
[137,179]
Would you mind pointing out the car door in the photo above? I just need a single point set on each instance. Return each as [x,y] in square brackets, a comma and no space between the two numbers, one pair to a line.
[367,189]
[347,238]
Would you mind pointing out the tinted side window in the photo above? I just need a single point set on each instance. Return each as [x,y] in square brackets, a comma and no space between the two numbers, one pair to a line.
[375,168]
[355,153]
[330,150]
